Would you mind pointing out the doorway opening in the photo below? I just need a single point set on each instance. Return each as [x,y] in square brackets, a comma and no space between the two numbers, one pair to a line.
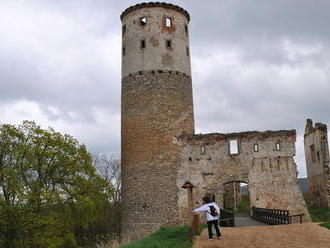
[236,197]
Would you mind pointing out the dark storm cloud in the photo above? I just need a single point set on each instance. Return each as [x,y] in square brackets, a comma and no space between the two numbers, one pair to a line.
[261,65]
[256,65]
[60,65]
[58,59]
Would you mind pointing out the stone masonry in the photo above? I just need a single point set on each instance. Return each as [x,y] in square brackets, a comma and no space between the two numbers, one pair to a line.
[317,163]
[264,161]
[156,107]
[160,151]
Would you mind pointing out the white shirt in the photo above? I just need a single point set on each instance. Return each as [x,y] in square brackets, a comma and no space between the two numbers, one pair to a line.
[206,208]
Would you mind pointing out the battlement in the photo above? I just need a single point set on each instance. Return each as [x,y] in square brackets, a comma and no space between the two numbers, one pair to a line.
[156,4]
[246,135]
[154,72]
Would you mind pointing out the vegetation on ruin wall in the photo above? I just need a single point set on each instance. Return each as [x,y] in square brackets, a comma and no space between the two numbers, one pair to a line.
[50,193]
[170,237]
[318,214]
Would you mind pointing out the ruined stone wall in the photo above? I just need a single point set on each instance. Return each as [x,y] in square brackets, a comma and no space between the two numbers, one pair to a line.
[264,161]
[317,163]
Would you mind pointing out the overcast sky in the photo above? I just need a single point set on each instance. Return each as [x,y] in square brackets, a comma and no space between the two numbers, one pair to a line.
[257,65]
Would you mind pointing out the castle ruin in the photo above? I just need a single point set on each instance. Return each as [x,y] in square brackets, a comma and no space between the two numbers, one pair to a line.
[160,150]
[317,163]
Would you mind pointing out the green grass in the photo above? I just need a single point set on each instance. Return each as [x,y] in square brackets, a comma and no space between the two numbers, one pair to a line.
[327,225]
[318,214]
[242,208]
[169,237]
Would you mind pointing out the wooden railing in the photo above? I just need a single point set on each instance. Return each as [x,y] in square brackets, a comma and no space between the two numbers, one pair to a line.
[297,215]
[274,216]
[226,218]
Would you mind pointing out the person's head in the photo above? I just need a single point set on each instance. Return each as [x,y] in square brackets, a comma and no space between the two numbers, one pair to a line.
[206,199]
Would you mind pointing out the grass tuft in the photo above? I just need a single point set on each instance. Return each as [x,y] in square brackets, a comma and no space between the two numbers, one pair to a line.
[169,237]
[111,241]
[327,225]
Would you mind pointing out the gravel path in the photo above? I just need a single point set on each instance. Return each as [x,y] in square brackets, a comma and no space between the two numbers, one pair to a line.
[309,235]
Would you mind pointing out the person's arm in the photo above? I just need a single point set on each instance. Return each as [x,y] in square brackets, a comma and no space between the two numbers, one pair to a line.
[200,209]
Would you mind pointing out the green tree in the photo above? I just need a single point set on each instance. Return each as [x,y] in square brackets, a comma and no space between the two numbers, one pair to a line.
[50,193]
[109,168]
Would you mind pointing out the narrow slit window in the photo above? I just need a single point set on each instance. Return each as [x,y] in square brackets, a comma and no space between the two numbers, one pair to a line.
[168,44]
[312,149]
[168,22]
[143,21]
[233,147]
[187,51]
[186,28]
[256,148]
[278,146]
[202,149]
[318,156]
[143,44]
[124,51]
[124,29]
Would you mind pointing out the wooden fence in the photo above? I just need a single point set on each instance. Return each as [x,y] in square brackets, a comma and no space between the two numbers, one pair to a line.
[274,216]
[226,218]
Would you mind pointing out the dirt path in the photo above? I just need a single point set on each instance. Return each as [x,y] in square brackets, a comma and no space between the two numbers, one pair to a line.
[309,235]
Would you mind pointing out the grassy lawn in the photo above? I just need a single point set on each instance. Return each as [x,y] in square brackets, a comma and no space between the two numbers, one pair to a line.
[318,214]
[170,237]
[242,208]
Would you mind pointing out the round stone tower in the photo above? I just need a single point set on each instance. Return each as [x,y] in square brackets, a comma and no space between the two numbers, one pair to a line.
[156,107]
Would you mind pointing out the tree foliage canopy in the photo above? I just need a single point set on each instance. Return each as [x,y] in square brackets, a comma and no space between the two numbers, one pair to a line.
[50,193]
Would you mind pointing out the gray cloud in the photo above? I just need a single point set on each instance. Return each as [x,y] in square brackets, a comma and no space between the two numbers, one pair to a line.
[257,65]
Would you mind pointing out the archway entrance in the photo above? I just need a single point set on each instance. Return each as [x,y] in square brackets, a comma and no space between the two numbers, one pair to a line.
[236,197]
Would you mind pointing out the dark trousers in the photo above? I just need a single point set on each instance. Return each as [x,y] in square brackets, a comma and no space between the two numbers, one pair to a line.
[216,226]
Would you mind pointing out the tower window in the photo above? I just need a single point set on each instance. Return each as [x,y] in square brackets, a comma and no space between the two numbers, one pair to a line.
[202,149]
[233,147]
[124,51]
[168,22]
[143,21]
[168,44]
[143,44]
[187,51]
[278,146]
[255,147]
[186,28]
[124,29]
[312,149]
